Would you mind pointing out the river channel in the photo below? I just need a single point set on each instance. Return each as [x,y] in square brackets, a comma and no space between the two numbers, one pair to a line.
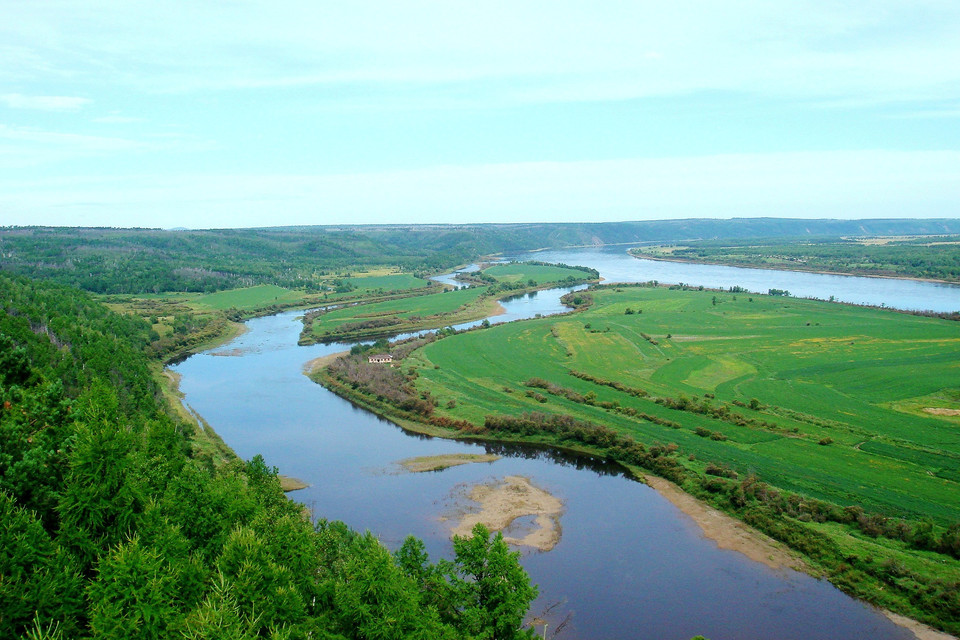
[628,565]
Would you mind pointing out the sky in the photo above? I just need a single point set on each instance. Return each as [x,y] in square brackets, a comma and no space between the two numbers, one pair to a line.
[236,113]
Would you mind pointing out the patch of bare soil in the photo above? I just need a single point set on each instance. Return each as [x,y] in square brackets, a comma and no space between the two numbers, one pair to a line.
[728,532]
[918,629]
[292,484]
[503,501]
[441,462]
[319,363]
[940,411]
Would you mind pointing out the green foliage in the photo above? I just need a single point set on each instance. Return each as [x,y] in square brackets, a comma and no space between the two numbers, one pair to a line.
[135,594]
[39,581]
[111,530]
[490,589]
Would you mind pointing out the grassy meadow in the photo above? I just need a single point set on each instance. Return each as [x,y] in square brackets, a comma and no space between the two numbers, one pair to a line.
[387,282]
[410,313]
[435,307]
[826,400]
[248,298]
[520,272]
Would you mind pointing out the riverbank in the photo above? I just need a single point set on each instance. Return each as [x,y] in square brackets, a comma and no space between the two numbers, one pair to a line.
[415,319]
[824,272]
[728,532]
[310,367]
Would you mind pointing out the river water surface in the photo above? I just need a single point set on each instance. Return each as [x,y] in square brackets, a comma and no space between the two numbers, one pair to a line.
[628,565]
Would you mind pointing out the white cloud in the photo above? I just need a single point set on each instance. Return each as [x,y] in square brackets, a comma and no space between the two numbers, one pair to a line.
[44,103]
[561,50]
[118,119]
[25,147]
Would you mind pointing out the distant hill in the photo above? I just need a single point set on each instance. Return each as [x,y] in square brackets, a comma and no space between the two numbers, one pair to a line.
[107,260]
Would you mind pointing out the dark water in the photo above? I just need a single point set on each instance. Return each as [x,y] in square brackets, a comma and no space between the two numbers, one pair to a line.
[615,265]
[629,564]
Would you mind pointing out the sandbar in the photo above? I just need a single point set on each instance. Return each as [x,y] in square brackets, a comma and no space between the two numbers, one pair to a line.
[728,532]
[319,363]
[289,484]
[445,461]
[503,501]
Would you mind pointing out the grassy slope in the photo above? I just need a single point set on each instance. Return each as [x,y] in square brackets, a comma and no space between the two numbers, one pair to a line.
[248,297]
[390,282]
[538,273]
[821,370]
[442,302]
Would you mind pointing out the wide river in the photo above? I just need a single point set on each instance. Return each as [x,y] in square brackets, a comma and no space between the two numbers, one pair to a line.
[628,564]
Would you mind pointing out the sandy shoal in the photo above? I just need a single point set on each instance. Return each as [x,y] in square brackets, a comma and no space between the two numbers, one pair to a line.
[319,363]
[503,501]
[439,463]
[726,531]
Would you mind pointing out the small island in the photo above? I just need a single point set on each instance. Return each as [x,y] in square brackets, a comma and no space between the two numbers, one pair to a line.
[501,502]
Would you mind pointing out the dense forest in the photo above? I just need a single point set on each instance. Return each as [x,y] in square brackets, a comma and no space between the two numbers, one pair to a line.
[114,526]
[152,260]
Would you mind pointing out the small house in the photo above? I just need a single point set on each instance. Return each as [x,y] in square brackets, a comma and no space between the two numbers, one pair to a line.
[380,358]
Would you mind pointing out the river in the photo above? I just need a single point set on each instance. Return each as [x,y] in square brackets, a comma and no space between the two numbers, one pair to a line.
[628,565]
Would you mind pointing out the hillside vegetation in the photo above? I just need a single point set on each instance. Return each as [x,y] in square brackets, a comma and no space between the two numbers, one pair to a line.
[154,260]
[115,525]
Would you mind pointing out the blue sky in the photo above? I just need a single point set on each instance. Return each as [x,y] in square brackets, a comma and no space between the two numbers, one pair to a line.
[234,114]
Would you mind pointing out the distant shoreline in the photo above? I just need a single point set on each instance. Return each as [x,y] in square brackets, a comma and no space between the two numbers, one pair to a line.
[776,268]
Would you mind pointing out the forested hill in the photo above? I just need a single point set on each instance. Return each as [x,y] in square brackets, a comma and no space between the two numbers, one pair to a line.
[152,260]
[114,527]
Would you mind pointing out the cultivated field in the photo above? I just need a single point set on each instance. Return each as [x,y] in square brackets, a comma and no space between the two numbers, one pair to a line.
[823,399]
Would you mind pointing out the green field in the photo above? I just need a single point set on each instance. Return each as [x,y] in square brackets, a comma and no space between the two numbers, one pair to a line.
[827,379]
[409,313]
[391,282]
[248,297]
[425,310]
[538,274]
